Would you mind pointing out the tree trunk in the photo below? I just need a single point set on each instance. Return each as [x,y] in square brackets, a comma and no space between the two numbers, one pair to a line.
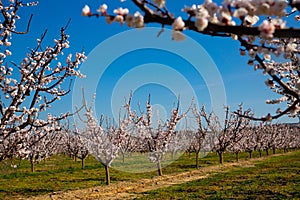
[221,157]
[260,153]
[159,169]
[107,176]
[123,157]
[197,159]
[274,151]
[32,165]
[237,156]
[82,163]
[267,152]
[250,154]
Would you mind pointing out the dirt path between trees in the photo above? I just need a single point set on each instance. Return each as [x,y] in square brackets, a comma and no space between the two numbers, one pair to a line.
[131,190]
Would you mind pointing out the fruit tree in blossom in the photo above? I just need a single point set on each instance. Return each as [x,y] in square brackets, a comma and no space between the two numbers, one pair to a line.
[30,86]
[157,136]
[40,145]
[230,131]
[202,132]
[101,138]
[74,145]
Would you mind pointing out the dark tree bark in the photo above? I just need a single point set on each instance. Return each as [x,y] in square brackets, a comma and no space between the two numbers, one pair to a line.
[221,157]
[32,165]
[82,163]
[107,175]
[237,156]
[159,169]
[260,153]
[197,159]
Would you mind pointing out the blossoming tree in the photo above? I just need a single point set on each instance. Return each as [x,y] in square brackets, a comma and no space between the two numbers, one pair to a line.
[272,136]
[31,86]
[248,143]
[101,137]
[157,136]
[202,131]
[291,138]
[74,145]
[259,27]
[40,145]
[228,132]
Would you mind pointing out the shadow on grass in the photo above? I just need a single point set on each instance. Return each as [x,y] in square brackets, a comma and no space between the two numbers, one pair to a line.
[25,192]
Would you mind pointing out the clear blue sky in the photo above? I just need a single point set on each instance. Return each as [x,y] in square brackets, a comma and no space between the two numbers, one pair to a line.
[242,83]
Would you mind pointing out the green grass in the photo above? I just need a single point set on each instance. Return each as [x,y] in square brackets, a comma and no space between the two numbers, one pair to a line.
[272,178]
[60,173]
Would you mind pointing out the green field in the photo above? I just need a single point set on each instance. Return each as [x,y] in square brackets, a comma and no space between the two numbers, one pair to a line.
[274,177]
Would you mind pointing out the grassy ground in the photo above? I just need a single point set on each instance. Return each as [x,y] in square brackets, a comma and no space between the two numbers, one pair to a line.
[273,178]
[60,173]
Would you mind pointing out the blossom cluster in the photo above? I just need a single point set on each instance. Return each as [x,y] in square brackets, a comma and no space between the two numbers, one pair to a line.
[209,12]
[231,11]
[121,15]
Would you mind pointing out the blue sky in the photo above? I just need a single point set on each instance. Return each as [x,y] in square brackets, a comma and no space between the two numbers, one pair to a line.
[242,84]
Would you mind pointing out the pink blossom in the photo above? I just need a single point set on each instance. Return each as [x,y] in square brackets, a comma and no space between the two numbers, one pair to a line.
[267,29]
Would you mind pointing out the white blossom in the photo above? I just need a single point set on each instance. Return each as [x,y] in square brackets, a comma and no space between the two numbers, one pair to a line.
[121,11]
[119,19]
[178,24]
[86,11]
[102,8]
[240,13]
[139,20]
[250,20]
[201,23]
